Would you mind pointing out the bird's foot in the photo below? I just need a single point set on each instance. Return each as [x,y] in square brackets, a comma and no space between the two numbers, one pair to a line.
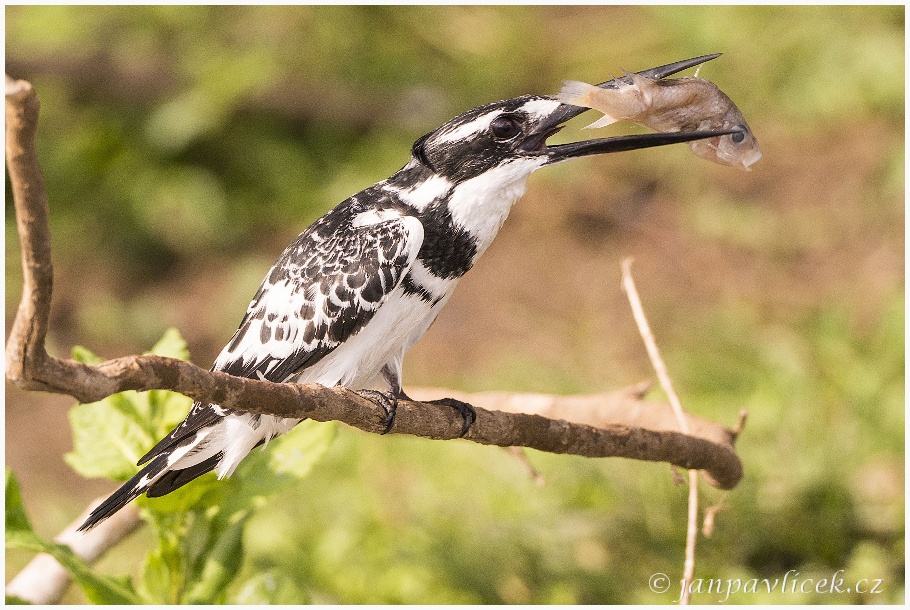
[387,401]
[463,408]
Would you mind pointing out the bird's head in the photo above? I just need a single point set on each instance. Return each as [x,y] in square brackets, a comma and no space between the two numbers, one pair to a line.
[512,134]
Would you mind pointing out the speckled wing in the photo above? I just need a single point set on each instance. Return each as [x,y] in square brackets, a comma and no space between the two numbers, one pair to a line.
[323,289]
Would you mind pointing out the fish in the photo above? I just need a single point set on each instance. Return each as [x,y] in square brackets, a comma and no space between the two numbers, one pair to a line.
[669,105]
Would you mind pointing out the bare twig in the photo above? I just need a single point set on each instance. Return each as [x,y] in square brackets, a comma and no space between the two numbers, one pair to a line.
[666,383]
[25,347]
[707,526]
[691,539]
[619,438]
[740,423]
[533,473]
[647,336]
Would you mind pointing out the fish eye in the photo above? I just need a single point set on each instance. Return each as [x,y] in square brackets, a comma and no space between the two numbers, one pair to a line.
[504,127]
[739,136]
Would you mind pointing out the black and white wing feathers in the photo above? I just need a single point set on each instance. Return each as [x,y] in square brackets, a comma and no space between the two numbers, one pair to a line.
[323,289]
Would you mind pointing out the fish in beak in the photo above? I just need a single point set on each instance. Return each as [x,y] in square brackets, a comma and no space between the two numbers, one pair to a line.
[554,121]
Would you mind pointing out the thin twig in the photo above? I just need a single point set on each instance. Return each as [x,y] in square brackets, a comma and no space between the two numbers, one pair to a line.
[740,424]
[45,581]
[666,383]
[647,336]
[519,454]
[707,526]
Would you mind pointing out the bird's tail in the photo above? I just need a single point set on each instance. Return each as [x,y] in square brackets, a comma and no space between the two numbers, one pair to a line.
[211,438]
[189,451]
[155,479]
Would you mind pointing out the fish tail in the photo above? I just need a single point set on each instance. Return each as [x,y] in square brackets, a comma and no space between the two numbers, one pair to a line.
[582,94]
[577,93]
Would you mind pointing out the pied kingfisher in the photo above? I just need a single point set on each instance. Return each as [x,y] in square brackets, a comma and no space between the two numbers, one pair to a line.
[362,284]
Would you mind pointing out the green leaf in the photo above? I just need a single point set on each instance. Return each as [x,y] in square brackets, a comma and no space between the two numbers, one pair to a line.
[164,571]
[172,345]
[202,493]
[220,565]
[107,439]
[109,436]
[98,588]
[19,534]
[166,410]
[271,588]
[156,585]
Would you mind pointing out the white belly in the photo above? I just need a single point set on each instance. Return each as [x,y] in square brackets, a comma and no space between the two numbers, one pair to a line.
[358,361]
[357,364]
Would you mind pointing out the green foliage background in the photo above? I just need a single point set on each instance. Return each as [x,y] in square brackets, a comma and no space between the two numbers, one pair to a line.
[183,147]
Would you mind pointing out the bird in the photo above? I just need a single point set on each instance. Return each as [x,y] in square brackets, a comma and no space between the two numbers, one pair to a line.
[355,290]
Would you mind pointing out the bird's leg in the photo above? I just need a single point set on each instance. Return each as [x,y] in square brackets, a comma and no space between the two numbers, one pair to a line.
[388,400]
[463,408]
[392,374]
[389,403]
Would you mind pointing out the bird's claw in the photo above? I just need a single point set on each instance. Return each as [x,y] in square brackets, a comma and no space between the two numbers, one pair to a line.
[388,402]
[464,409]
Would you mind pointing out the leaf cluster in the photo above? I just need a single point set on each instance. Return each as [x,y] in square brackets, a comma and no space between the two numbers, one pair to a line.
[200,527]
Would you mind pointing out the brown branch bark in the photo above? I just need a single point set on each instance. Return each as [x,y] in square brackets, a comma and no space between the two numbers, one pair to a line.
[640,430]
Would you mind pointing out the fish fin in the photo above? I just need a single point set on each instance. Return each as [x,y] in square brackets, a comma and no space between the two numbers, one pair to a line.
[750,160]
[644,86]
[577,93]
[603,121]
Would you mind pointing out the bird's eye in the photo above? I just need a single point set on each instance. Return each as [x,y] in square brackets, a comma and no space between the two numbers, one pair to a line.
[739,136]
[504,127]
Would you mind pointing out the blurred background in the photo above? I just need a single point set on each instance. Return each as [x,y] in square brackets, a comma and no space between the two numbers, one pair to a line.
[184,147]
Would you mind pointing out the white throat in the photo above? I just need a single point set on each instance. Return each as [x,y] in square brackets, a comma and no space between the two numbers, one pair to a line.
[480,205]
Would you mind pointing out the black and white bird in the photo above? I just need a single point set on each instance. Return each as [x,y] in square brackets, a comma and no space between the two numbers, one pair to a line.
[353,292]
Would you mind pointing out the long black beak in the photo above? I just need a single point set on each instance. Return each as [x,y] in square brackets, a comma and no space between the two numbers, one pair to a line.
[562,152]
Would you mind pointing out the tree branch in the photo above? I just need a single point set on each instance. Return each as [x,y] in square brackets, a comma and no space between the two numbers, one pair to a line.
[639,431]
[25,346]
